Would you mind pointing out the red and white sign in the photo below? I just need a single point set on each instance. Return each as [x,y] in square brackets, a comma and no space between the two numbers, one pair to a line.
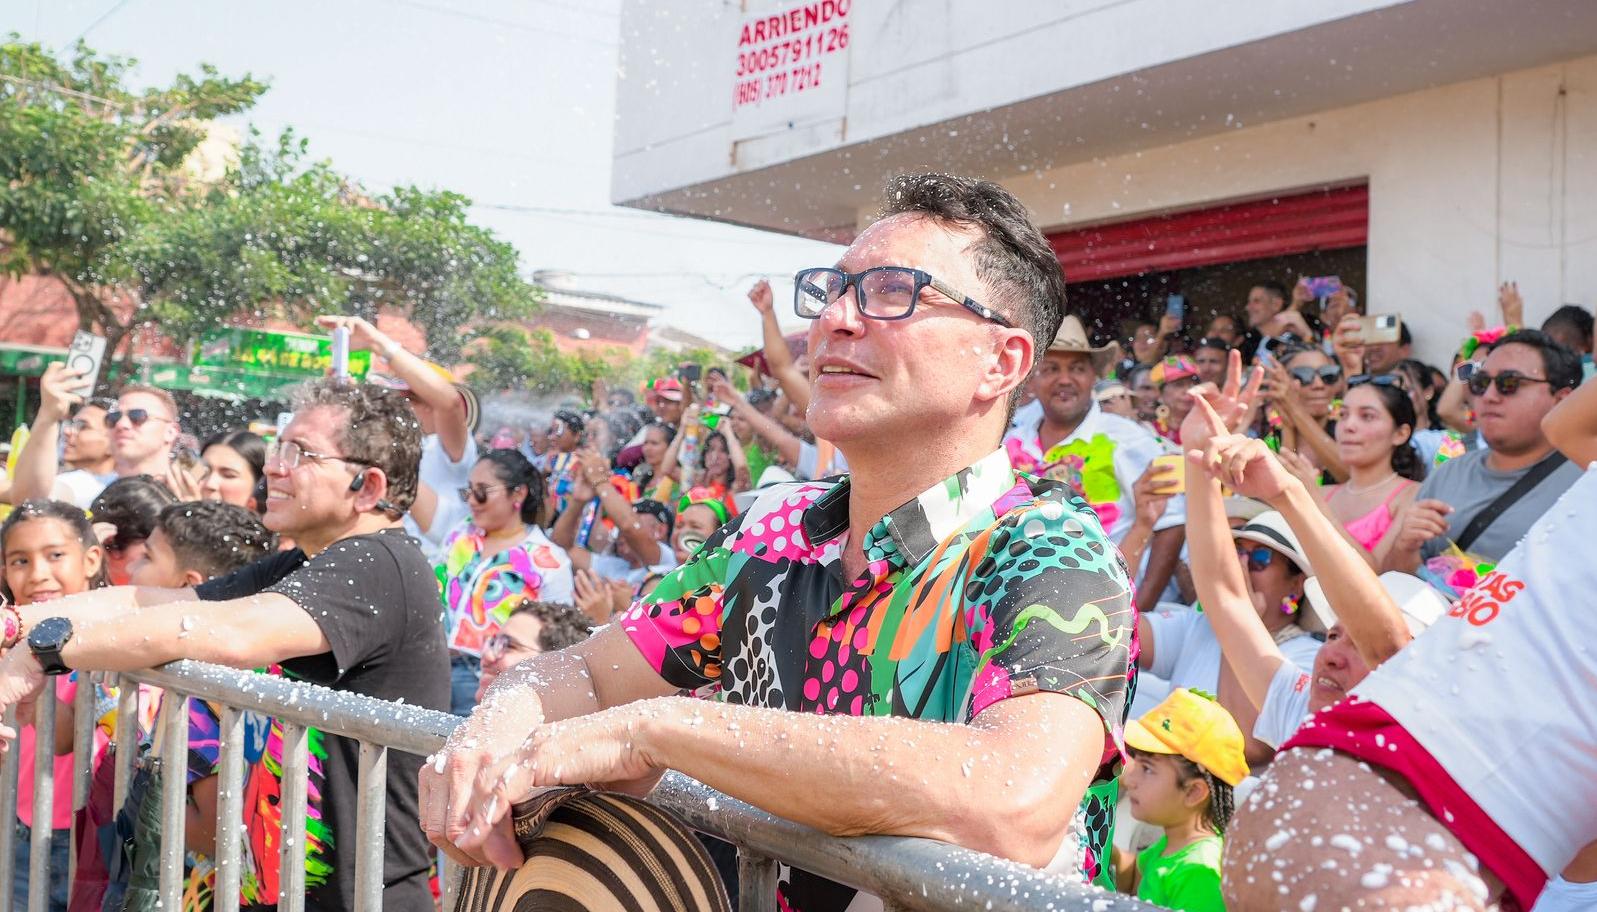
[792,67]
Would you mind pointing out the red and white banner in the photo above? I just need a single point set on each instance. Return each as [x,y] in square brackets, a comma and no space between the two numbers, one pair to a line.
[792,67]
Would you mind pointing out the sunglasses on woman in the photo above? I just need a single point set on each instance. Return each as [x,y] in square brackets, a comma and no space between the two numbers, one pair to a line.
[1329,374]
[1396,380]
[1258,556]
[479,494]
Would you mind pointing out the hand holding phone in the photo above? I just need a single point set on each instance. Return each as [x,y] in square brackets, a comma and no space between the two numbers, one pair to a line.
[1176,306]
[1378,329]
[1322,287]
[1169,474]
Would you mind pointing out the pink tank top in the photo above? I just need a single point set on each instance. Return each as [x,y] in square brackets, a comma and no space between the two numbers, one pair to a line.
[1369,529]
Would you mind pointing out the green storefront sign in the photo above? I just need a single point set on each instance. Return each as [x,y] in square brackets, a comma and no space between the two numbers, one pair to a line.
[286,356]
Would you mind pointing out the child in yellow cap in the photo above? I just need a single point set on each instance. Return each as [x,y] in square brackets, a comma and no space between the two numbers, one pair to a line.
[1186,757]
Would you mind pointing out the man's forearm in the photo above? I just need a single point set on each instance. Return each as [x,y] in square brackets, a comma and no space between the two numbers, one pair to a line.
[1163,555]
[955,783]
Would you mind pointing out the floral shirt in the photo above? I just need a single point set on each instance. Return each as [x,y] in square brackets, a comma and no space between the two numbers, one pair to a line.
[986,586]
[480,590]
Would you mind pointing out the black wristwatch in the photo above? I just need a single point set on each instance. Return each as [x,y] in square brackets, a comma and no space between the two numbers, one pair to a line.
[46,640]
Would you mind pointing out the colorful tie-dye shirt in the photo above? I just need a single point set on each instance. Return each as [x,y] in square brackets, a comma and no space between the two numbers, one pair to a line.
[480,590]
[986,586]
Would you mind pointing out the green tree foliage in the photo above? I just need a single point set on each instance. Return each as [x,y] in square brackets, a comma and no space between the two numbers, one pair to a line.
[98,196]
[514,357]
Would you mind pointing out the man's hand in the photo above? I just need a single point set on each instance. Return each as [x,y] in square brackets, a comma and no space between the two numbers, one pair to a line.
[762,298]
[362,334]
[1511,304]
[181,483]
[1301,468]
[722,389]
[1422,521]
[21,681]
[1348,341]
[593,596]
[1338,304]
[1169,325]
[605,747]
[1288,321]
[60,390]
[1153,491]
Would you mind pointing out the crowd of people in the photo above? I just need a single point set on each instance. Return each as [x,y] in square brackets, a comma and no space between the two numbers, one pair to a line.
[1257,617]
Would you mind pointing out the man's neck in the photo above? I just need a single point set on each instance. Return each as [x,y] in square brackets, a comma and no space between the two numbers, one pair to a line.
[1050,432]
[1499,461]
[155,465]
[105,465]
[882,480]
[316,541]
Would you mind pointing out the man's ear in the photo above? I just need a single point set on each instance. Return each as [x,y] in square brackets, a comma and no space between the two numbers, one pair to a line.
[192,578]
[1014,357]
[372,492]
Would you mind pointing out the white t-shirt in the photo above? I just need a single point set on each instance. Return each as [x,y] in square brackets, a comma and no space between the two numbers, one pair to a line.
[613,567]
[80,486]
[1286,705]
[446,477]
[1133,448]
[1561,895]
[1187,654]
[1503,690]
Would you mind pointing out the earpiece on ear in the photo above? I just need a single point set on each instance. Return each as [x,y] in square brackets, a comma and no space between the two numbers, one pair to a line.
[358,482]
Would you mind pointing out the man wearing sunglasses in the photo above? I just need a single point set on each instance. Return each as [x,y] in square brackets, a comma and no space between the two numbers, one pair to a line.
[143,427]
[933,584]
[1484,500]
[354,608]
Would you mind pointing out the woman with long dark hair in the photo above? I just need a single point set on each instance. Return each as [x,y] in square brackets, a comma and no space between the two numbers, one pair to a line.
[494,559]
[234,469]
[1384,471]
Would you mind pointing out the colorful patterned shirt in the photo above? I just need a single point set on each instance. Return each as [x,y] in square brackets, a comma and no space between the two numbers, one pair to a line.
[986,586]
[480,590]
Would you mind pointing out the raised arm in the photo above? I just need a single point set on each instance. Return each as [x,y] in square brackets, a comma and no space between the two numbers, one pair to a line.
[418,373]
[36,464]
[786,444]
[778,358]
[1572,425]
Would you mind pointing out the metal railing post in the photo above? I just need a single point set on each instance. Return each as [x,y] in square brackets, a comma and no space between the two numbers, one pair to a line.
[291,876]
[9,768]
[43,798]
[174,722]
[127,736]
[756,882]
[83,721]
[229,812]
[371,816]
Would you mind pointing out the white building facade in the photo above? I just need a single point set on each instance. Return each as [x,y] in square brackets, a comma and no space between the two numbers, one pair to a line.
[1424,150]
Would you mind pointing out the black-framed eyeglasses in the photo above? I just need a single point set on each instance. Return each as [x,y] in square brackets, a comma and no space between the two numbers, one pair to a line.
[480,494]
[136,416]
[1258,556]
[1507,382]
[881,293]
[1329,374]
[1396,380]
[291,455]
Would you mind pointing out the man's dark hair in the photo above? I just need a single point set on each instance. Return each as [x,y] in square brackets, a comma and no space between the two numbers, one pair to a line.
[132,504]
[561,625]
[1213,342]
[1404,337]
[1274,289]
[1561,365]
[1573,318]
[659,511]
[214,538]
[1015,259]
[379,429]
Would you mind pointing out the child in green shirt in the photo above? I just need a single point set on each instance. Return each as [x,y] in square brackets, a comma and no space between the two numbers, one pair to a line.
[1186,757]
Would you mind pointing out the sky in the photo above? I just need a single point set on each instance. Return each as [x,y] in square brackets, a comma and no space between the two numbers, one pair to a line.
[510,102]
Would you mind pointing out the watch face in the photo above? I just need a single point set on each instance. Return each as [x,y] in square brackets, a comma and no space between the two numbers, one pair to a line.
[50,633]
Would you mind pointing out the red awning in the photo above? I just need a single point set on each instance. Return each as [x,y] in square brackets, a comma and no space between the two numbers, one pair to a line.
[1320,220]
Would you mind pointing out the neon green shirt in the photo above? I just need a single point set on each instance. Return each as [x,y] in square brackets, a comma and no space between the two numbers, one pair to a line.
[1187,880]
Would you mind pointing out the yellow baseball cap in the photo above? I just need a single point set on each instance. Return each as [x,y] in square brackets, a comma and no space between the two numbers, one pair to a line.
[1193,726]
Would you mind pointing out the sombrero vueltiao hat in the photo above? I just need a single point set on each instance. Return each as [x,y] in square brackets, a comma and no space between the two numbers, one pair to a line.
[600,851]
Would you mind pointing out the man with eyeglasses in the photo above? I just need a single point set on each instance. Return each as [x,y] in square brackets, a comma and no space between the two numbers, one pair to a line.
[354,607]
[1484,500]
[967,629]
[143,426]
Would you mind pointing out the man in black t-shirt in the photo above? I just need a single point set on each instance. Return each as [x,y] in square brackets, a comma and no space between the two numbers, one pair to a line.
[354,608]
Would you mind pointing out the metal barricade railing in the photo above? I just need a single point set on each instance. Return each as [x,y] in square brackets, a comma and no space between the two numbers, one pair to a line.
[906,873]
